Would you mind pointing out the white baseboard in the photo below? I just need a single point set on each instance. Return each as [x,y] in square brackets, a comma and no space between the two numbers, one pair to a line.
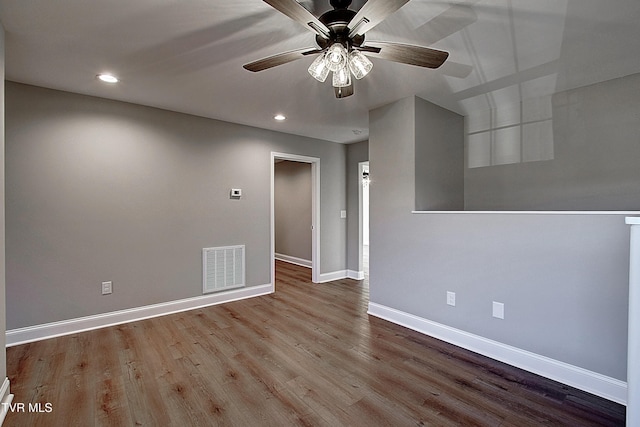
[72,326]
[293,260]
[355,275]
[323,277]
[583,379]
[341,274]
[334,275]
[5,399]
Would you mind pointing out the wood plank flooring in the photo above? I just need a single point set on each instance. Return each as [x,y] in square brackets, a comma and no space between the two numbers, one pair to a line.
[308,355]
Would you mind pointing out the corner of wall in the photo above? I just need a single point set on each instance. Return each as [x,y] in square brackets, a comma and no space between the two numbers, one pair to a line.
[5,394]
[3,311]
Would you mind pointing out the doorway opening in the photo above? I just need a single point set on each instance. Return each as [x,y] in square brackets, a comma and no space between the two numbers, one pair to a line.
[314,226]
[363,221]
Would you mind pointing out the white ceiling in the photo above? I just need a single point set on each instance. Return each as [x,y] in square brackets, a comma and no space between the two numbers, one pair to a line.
[187,55]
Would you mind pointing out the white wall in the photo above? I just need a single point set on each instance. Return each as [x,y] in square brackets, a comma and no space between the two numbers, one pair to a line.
[102,190]
[439,158]
[563,278]
[592,138]
[3,360]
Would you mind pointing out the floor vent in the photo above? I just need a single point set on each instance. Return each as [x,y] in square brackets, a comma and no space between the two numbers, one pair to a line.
[222,268]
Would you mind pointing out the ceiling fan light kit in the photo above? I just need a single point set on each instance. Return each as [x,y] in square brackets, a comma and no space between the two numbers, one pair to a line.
[342,77]
[319,69]
[337,60]
[336,57]
[340,36]
[359,64]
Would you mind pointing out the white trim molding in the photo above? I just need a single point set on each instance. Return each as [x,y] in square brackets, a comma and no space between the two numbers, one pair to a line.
[355,275]
[334,275]
[81,324]
[583,379]
[532,212]
[315,211]
[293,260]
[362,166]
[341,274]
[5,399]
[633,340]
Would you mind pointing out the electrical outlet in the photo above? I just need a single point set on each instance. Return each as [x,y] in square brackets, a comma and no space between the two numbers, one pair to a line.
[451,298]
[107,288]
[498,310]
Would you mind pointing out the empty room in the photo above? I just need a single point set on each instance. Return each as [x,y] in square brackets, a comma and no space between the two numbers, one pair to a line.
[320,213]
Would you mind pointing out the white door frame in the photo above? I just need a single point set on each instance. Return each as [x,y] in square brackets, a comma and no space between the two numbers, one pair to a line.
[315,212]
[361,168]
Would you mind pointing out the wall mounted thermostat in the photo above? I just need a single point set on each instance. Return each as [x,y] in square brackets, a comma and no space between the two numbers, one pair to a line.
[236,193]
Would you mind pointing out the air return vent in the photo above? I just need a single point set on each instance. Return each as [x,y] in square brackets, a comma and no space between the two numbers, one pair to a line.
[222,268]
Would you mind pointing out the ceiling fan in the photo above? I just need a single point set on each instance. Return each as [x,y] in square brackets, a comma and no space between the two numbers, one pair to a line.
[340,36]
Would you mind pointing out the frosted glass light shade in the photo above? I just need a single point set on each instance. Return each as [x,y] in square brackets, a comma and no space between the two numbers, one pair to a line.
[336,57]
[342,77]
[359,64]
[319,69]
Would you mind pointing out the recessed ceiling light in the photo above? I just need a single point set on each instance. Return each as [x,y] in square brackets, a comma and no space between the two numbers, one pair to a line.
[279,117]
[108,78]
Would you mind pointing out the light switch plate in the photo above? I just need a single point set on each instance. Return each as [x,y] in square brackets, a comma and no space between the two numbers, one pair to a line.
[498,310]
[451,298]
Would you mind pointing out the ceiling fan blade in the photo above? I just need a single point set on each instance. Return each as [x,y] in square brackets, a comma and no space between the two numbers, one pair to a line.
[409,54]
[297,12]
[343,92]
[368,49]
[279,59]
[371,14]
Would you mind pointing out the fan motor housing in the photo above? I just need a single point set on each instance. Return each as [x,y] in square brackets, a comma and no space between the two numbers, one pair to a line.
[337,20]
[340,4]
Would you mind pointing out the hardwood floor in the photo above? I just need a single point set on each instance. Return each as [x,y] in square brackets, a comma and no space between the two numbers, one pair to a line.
[307,355]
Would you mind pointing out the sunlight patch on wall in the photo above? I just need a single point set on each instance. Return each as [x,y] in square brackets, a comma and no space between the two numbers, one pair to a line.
[510,133]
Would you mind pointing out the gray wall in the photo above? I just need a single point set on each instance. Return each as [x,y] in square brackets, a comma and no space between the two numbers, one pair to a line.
[3,317]
[563,278]
[356,153]
[292,181]
[596,147]
[102,190]
[439,160]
